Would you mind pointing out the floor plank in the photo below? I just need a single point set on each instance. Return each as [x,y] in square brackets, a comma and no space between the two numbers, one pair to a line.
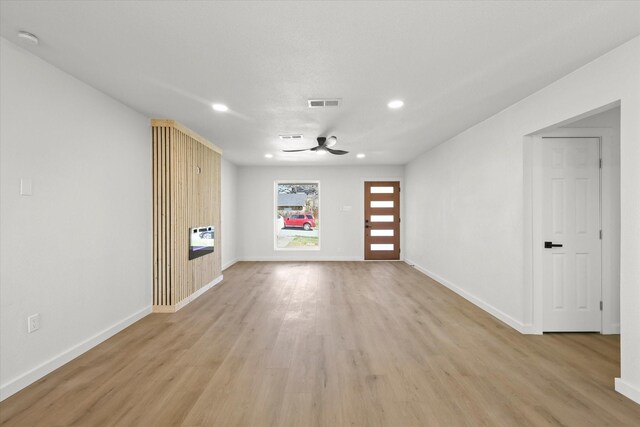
[330,344]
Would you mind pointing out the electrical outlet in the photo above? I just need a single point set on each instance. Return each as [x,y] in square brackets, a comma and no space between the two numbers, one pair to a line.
[33,322]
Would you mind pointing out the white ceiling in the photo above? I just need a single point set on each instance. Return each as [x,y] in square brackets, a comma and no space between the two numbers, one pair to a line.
[453,63]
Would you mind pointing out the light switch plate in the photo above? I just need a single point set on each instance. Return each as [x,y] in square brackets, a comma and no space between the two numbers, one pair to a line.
[26,187]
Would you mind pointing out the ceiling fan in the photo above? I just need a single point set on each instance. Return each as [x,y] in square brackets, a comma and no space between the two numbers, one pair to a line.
[324,144]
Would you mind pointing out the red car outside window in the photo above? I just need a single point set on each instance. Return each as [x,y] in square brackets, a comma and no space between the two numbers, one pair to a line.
[305,221]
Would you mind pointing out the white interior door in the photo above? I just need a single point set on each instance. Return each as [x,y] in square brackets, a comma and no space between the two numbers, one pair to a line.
[572,282]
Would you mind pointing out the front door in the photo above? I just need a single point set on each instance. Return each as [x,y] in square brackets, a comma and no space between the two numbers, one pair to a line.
[382,220]
[571,275]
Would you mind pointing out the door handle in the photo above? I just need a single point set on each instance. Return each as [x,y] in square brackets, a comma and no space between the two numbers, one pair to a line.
[549,245]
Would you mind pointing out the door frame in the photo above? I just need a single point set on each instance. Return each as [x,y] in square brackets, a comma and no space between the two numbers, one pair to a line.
[402,192]
[533,251]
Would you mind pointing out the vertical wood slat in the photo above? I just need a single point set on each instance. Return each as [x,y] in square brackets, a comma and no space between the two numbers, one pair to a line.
[171,219]
[167,218]
[182,237]
[161,219]
[163,165]
[177,225]
[165,162]
[182,198]
[185,222]
[154,155]
[216,204]
[191,183]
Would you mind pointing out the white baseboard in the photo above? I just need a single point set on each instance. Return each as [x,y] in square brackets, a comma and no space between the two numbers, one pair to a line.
[229,264]
[500,315]
[611,329]
[199,292]
[629,390]
[293,259]
[29,377]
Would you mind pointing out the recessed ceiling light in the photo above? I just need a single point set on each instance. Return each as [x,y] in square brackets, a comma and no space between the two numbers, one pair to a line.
[360,155]
[395,104]
[26,36]
[321,152]
[269,156]
[220,107]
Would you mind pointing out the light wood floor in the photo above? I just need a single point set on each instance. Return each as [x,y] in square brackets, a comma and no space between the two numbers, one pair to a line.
[330,344]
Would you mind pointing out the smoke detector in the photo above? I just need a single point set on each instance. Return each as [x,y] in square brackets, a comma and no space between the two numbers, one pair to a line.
[321,103]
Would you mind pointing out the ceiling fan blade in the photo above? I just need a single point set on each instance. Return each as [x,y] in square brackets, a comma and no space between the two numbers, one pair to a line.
[339,152]
[322,146]
[295,151]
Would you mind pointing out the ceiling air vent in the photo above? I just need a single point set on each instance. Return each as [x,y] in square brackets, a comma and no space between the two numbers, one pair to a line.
[321,103]
[290,137]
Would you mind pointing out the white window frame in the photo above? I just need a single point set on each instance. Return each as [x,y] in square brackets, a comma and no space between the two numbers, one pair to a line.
[275,209]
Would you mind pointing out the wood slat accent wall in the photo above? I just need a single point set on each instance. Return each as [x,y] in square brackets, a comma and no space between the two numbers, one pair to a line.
[186,193]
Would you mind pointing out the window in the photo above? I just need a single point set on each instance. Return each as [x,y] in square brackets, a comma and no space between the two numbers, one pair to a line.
[297,206]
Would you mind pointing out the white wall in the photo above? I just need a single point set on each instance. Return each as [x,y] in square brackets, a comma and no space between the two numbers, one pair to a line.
[78,250]
[229,210]
[464,199]
[342,232]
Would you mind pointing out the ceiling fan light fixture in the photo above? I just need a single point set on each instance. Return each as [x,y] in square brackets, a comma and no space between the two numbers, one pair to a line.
[323,147]
[269,156]
[360,155]
[395,104]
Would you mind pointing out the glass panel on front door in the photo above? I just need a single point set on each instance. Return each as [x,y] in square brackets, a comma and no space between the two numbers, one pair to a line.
[381,190]
[382,203]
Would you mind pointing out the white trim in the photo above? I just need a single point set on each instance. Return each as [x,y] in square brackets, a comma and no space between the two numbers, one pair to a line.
[500,315]
[301,248]
[629,390]
[230,263]
[275,209]
[199,292]
[611,329]
[295,259]
[33,375]
[530,296]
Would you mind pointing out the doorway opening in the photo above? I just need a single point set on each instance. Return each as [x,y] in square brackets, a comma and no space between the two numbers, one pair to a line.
[572,198]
